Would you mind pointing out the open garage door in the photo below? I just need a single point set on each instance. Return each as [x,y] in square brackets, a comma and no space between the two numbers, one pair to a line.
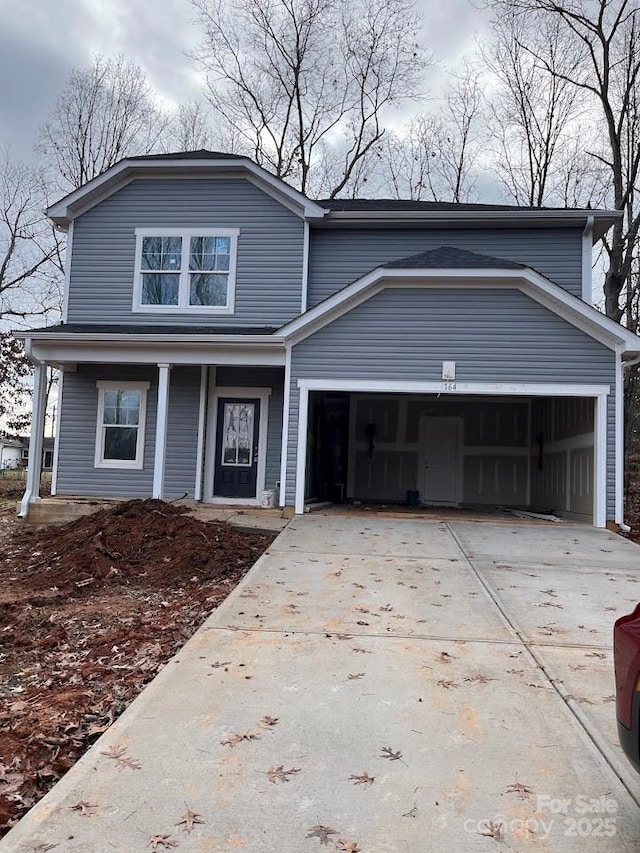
[535,453]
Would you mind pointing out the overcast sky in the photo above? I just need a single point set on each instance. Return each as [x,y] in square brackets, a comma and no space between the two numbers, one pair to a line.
[42,40]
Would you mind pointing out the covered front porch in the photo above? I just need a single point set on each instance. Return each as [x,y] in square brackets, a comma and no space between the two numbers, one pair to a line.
[197,418]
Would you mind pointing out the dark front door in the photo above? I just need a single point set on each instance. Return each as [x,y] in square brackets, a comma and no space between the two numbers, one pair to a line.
[236,471]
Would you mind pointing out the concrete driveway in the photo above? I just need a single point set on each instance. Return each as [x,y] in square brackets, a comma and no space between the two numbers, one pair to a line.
[378,685]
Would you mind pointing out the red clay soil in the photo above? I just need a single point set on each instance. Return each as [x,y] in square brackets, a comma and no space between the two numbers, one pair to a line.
[89,613]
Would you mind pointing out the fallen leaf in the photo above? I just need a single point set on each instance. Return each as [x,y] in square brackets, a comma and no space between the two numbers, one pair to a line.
[447,684]
[321,832]
[445,657]
[188,820]
[116,751]
[348,846]
[365,779]
[234,740]
[479,679]
[353,676]
[123,763]
[523,791]
[158,841]
[269,721]
[279,774]
[220,663]
[387,752]
[492,830]
[83,807]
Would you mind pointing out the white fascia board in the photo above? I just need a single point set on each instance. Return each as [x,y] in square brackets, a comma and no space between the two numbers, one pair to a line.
[554,297]
[116,338]
[513,216]
[152,352]
[113,179]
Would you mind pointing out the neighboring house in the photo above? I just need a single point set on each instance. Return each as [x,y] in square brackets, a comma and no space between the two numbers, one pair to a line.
[48,445]
[225,335]
[10,453]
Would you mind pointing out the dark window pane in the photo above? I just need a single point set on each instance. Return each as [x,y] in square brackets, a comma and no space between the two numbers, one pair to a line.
[120,443]
[161,253]
[208,289]
[210,253]
[160,289]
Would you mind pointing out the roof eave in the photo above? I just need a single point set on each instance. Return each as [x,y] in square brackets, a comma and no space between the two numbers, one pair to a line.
[604,218]
[117,338]
[67,208]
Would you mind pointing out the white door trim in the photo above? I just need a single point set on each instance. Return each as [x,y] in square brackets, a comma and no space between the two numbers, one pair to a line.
[215,393]
[459,426]
[525,389]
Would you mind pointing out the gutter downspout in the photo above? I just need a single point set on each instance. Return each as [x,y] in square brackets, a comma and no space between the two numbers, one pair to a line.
[34,468]
[626,364]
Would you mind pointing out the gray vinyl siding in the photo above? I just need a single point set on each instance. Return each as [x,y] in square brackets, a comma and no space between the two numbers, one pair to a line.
[262,377]
[492,335]
[339,256]
[76,472]
[269,261]
[78,417]
[182,432]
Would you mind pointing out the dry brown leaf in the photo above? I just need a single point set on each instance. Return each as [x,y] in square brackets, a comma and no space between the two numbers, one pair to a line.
[447,684]
[353,676]
[123,763]
[83,807]
[479,679]
[445,657]
[115,751]
[365,779]
[234,740]
[269,721]
[492,830]
[322,833]
[279,774]
[188,820]
[348,846]
[523,791]
[387,752]
[158,841]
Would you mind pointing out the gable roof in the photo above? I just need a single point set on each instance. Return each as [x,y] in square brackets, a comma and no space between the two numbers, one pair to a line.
[467,268]
[453,258]
[200,162]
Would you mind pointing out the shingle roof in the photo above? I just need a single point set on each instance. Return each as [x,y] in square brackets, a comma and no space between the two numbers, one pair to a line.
[199,154]
[394,204]
[126,329]
[450,257]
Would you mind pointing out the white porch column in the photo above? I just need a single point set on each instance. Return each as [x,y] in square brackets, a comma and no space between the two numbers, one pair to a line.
[161,430]
[34,469]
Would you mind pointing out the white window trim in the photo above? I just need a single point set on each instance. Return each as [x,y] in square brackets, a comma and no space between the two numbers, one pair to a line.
[113,385]
[183,306]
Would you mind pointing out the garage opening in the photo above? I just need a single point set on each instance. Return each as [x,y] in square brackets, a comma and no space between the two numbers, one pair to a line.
[530,453]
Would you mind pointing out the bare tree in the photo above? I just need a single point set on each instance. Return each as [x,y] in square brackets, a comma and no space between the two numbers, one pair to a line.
[532,104]
[304,83]
[605,38]
[434,155]
[190,129]
[30,249]
[104,113]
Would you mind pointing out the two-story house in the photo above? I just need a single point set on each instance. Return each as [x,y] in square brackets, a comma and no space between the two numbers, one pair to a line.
[224,335]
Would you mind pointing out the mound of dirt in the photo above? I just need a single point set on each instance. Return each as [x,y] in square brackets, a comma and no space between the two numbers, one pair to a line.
[89,613]
[146,543]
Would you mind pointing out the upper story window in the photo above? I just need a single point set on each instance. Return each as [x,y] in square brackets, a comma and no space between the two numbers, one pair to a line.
[185,270]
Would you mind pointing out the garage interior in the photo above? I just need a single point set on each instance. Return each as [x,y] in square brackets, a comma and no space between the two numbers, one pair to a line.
[535,454]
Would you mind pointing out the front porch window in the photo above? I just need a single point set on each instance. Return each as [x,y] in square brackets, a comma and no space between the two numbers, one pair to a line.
[121,421]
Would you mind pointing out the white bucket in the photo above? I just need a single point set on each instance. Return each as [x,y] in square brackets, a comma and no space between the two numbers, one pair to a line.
[267,500]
